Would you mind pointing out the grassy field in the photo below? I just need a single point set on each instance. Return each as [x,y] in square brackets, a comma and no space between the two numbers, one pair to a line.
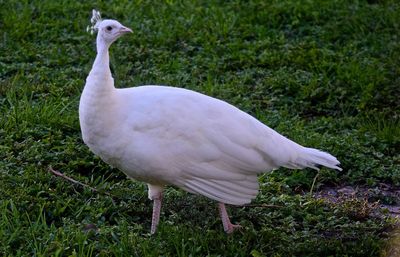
[323,73]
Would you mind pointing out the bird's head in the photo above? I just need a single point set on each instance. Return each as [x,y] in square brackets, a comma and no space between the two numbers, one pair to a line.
[107,30]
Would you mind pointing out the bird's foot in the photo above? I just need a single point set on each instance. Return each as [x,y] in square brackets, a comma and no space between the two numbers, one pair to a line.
[226,222]
[232,227]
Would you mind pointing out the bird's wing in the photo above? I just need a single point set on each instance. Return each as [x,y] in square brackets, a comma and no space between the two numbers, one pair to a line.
[202,144]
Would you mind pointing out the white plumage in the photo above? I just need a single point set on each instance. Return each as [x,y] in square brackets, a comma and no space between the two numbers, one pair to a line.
[172,136]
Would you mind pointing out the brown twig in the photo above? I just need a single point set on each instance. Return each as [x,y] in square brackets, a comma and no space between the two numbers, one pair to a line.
[59,174]
[263,205]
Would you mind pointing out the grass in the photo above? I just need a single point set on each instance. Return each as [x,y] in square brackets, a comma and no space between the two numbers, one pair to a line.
[323,73]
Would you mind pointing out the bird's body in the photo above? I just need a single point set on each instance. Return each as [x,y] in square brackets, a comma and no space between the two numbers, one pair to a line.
[172,136]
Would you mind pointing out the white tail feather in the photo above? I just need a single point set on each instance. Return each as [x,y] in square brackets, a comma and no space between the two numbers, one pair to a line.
[312,158]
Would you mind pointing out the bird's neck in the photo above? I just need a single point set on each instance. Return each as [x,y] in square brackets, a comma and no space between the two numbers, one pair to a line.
[101,65]
[100,80]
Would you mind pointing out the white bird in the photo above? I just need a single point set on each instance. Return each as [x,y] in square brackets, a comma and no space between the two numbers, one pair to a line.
[171,136]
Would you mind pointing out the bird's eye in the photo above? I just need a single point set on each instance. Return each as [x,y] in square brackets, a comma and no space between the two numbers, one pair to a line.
[108,28]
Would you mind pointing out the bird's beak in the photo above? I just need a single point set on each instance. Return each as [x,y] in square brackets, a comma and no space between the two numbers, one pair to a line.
[124,30]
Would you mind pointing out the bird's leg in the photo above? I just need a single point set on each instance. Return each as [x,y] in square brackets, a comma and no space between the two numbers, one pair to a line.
[156,212]
[228,226]
[155,194]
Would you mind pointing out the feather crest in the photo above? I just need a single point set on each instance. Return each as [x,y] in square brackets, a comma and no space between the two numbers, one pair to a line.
[95,20]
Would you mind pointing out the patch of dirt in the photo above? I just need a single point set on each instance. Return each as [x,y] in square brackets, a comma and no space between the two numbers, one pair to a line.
[361,202]
[384,198]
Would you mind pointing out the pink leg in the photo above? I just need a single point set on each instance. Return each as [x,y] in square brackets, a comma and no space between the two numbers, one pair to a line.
[228,226]
[156,213]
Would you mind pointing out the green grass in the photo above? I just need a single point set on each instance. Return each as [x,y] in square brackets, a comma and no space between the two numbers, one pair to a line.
[324,73]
